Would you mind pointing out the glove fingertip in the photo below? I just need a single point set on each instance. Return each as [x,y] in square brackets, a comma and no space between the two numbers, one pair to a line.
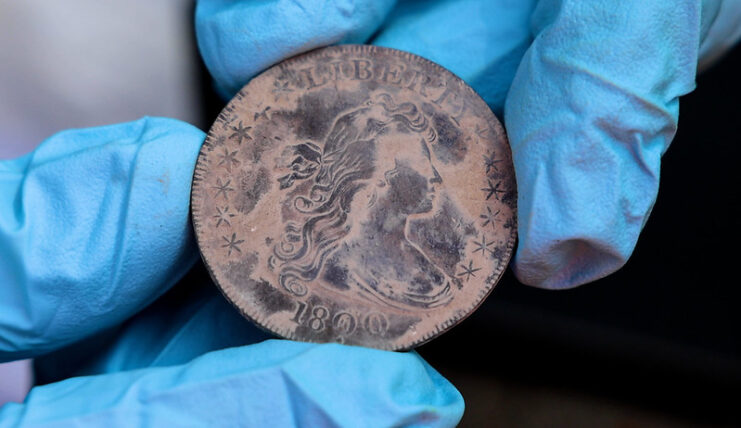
[567,264]
[99,228]
[238,40]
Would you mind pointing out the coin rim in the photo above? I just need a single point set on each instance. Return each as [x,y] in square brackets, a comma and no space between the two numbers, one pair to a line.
[439,327]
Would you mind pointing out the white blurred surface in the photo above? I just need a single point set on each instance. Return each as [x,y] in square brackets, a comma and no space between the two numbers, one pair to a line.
[15,380]
[82,63]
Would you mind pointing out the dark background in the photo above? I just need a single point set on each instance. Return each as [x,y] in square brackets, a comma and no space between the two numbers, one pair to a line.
[660,336]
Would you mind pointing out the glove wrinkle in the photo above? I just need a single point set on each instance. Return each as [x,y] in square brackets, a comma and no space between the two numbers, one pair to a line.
[104,214]
[182,337]
[118,250]
[274,383]
[304,410]
[592,108]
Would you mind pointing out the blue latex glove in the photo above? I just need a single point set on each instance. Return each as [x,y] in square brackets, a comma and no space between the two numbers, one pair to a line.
[589,92]
[151,365]
[93,228]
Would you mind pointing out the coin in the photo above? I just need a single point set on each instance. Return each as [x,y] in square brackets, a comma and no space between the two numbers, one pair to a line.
[356,194]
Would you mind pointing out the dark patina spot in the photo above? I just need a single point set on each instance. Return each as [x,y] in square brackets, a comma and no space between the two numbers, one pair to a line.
[252,187]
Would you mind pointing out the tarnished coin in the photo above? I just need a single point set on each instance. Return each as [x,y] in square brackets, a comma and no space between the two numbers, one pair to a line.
[356,194]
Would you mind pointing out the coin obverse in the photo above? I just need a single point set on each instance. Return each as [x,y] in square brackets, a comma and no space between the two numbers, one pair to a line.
[356,194]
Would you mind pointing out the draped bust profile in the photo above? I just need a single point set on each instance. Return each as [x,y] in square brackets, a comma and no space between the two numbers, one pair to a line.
[352,234]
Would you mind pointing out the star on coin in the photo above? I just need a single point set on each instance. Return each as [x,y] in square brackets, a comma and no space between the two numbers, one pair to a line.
[223,188]
[241,133]
[223,215]
[491,163]
[469,270]
[232,243]
[482,245]
[281,88]
[493,190]
[263,114]
[489,217]
[228,159]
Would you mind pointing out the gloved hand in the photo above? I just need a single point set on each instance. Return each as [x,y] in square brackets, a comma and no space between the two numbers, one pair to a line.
[116,248]
[589,92]
[93,228]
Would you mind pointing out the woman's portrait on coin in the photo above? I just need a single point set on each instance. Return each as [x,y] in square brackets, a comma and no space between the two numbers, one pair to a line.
[355,194]
[370,255]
